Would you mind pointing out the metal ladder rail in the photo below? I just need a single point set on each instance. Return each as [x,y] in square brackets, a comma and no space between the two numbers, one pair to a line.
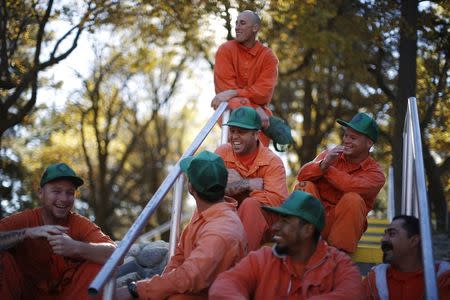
[414,194]
[105,279]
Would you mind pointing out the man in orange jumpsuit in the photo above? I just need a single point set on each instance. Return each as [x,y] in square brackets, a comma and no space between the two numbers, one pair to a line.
[346,179]
[245,71]
[299,266]
[401,275]
[51,252]
[212,242]
[256,176]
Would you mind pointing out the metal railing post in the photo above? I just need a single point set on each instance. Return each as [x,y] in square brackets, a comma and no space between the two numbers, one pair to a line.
[225,129]
[107,270]
[110,288]
[414,190]
[176,215]
[391,201]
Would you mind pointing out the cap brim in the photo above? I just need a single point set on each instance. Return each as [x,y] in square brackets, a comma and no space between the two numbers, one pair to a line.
[185,163]
[346,124]
[278,210]
[235,124]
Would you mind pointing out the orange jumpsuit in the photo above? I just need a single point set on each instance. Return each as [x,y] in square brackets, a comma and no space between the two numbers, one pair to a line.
[348,192]
[268,166]
[252,72]
[329,274]
[404,285]
[30,270]
[212,242]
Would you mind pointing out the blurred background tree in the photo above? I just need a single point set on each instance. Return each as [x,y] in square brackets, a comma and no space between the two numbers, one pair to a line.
[133,113]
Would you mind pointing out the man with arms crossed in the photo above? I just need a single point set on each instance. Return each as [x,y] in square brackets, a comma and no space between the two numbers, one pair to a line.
[256,175]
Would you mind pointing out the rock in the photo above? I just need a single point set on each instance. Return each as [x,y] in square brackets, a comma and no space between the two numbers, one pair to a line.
[153,254]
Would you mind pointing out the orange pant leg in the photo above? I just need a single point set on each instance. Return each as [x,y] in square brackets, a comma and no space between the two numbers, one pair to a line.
[11,278]
[257,223]
[349,222]
[308,187]
[77,288]
[187,297]
[311,188]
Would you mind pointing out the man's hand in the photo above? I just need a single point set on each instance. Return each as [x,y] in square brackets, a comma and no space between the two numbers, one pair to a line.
[222,97]
[122,294]
[264,117]
[64,245]
[331,157]
[233,176]
[45,231]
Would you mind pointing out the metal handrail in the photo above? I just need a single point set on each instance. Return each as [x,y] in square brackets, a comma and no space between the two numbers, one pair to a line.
[414,193]
[109,268]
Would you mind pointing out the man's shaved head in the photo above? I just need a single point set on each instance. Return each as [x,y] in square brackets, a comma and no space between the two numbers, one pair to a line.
[254,16]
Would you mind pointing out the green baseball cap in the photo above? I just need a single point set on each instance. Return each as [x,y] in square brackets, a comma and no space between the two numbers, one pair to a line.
[280,133]
[206,172]
[302,205]
[363,124]
[245,117]
[60,170]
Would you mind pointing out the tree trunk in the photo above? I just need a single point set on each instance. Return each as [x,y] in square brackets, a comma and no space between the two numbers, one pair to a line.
[406,88]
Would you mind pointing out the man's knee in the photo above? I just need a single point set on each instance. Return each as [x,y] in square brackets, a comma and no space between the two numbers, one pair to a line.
[308,187]
[249,205]
[11,280]
[351,201]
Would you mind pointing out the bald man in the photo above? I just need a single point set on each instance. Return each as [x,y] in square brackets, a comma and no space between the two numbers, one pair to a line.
[246,71]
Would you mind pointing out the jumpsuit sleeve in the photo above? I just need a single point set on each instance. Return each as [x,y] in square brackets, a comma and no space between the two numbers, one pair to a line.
[347,284]
[238,283]
[224,73]
[367,183]
[196,273]
[262,90]
[275,187]
[444,285]
[312,171]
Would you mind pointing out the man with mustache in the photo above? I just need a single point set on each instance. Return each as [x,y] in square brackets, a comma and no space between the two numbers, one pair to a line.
[299,266]
[256,175]
[347,180]
[51,252]
[401,275]
[246,71]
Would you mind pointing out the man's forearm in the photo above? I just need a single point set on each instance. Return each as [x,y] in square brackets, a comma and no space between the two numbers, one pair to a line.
[11,238]
[237,187]
[95,252]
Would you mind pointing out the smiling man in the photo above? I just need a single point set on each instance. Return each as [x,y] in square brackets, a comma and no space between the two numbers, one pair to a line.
[299,266]
[51,251]
[401,275]
[245,71]
[346,179]
[256,176]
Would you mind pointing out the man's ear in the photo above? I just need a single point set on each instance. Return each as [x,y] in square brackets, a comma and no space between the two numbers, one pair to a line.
[369,143]
[415,240]
[39,193]
[191,190]
[308,229]
[255,28]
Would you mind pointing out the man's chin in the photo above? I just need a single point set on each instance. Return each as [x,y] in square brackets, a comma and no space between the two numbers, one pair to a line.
[282,250]
[386,258]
